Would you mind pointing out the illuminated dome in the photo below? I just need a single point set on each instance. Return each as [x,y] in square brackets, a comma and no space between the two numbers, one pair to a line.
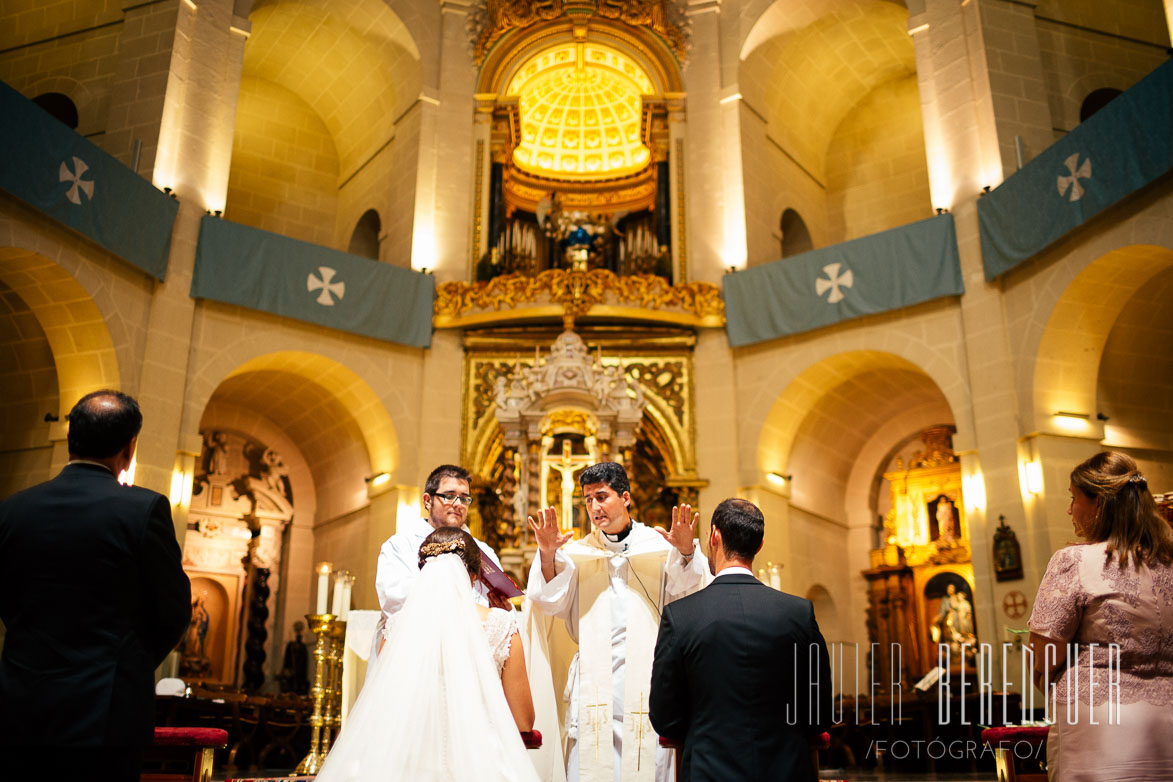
[580,113]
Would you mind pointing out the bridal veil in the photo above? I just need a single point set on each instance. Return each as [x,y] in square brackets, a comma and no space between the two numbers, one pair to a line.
[433,708]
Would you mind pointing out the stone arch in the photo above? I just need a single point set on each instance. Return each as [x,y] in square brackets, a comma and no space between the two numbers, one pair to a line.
[796,237]
[60,106]
[772,418]
[88,114]
[298,390]
[364,239]
[1096,100]
[1078,89]
[75,328]
[1067,363]
[844,400]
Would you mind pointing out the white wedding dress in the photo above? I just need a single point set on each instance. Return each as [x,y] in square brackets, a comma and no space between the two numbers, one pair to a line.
[433,709]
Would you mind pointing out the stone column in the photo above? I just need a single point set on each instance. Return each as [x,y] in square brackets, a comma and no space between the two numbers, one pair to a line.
[961,142]
[704,159]
[192,157]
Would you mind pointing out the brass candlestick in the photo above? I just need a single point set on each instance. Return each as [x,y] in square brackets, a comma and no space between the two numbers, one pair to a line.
[320,625]
[332,719]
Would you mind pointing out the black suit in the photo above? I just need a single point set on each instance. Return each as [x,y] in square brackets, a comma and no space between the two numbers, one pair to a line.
[724,680]
[93,597]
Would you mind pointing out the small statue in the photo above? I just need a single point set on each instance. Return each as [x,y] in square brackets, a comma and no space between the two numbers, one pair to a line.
[294,674]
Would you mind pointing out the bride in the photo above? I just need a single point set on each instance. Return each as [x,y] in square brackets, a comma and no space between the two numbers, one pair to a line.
[449,694]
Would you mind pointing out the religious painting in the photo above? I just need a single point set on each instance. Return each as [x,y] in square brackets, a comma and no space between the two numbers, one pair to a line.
[1007,553]
[948,601]
[207,651]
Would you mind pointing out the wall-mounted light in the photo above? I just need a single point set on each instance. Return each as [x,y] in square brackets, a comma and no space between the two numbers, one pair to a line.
[1033,474]
[1071,422]
[52,418]
[985,190]
[378,479]
[181,488]
[942,210]
[778,479]
[973,490]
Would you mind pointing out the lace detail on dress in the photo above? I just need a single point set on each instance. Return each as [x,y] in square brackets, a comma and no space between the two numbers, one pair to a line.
[500,625]
[1060,599]
[1088,600]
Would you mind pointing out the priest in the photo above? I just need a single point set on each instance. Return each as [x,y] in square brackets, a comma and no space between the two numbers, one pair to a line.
[609,589]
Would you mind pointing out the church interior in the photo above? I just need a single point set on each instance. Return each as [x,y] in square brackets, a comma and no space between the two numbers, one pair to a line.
[595,201]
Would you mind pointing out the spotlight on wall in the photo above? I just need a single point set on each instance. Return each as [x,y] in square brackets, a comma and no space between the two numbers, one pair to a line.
[1034,476]
[731,269]
[1071,422]
[378,479]
[985,190]
[1101,417]
[778,479]
[942,210]
[52,418]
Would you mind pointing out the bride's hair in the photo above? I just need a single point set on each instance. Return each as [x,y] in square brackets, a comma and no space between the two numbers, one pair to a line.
[452,540]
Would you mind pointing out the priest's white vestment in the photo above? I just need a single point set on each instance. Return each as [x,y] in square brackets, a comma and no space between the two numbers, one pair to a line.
[610,596]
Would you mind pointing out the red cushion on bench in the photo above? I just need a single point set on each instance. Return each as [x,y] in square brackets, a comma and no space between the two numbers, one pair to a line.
[1033,734]
[191,737]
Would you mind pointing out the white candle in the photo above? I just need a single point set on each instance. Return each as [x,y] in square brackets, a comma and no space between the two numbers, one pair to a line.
[339,580]
[346,587]
[323,587]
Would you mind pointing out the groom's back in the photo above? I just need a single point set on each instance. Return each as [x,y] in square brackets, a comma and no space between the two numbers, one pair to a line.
[750,653]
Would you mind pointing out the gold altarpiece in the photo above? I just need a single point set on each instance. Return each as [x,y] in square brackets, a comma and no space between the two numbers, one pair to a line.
[643,417]
[920,583]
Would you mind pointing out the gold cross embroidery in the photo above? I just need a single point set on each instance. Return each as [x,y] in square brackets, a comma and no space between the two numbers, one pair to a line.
[640,716]
[597,713]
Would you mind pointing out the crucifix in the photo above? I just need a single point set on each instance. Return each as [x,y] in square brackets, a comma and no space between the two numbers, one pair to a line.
[567,466]
[598,715]
[640,717]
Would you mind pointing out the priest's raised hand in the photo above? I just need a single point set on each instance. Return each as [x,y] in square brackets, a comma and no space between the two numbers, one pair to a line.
[549,538]
[682,536]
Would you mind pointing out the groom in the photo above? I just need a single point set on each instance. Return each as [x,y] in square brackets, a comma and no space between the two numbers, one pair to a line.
[446,501]
[609,589]
[741,674]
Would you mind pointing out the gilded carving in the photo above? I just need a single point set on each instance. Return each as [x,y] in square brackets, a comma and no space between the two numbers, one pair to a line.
[490,19]
[577,292]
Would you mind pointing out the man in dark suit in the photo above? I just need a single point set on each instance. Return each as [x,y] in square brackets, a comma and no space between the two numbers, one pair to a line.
[741,673]
[93,597]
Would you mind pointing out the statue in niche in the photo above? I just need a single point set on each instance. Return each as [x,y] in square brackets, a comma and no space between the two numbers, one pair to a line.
[953,625]
[944,522]
[193,660]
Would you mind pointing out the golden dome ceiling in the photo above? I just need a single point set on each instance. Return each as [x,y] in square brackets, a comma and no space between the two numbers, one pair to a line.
[580,113]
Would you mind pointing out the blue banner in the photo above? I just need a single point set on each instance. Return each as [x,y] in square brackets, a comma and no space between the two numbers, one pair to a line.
[1115,152]
[53,169]
[274,273]
[876,273]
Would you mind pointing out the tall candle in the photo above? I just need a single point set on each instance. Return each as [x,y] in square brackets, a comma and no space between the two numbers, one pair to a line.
[323,587]
[339,580]
[346,587]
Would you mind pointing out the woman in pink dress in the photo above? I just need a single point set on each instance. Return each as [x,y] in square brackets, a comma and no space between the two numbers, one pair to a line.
[1102,631]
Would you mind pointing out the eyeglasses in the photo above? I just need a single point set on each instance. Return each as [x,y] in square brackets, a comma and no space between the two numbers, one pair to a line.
[448,498]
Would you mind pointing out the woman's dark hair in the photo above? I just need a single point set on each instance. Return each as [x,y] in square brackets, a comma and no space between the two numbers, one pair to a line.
[102,423]
[452,540]
[1126,515]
